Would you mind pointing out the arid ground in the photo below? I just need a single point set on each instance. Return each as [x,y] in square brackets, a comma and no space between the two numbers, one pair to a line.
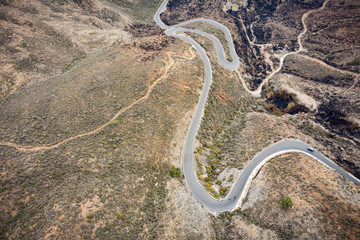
[95,102]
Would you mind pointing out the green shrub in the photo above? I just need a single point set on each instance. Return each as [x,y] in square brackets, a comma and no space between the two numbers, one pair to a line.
[89,217]
[206,145]
[175,172]
[216,150]
[223,191]
[286,203]
[278,113]
[234,7]
[209,188]
[355,62]
[290,106]
[120,216]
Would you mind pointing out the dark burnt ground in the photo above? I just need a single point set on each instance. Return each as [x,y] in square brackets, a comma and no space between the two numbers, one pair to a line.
[281,102]
[322,76]
[338,109]
[144,29]
[333,115]
[277,21]
[333,35]
[334,90]
[273,22]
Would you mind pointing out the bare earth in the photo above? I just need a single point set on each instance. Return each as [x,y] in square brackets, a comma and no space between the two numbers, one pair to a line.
[95,102]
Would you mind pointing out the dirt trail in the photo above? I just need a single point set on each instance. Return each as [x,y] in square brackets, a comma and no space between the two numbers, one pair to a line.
[301,48]
[170,64]
[167,68]
[304,16]
[243,82]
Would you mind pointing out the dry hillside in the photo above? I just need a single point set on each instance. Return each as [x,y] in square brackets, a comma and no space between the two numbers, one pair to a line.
[95,103]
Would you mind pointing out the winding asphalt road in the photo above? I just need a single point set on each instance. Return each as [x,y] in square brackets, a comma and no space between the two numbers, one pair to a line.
[242,184]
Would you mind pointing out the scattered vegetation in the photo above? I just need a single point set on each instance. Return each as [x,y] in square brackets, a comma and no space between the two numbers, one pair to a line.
[118,167]
[216,32]
[286,203]
[175,172]
[234,7]
[281,102]
[26,64]
[223,191]
[223,115]
[75,61]
[109,185]
[355,62]
[142,10]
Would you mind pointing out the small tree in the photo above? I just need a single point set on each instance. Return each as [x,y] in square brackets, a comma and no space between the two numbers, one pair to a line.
[286,203]
[175,172]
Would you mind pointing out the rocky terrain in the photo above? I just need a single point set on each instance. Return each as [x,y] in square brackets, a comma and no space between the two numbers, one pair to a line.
[95,102]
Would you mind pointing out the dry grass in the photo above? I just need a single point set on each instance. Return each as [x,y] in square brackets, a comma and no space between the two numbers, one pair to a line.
[121,170]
